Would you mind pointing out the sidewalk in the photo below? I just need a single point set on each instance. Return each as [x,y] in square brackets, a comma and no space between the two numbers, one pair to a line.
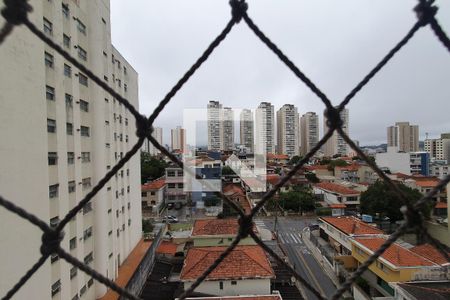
[321,260]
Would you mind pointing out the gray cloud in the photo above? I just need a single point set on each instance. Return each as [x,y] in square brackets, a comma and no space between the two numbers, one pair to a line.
[335,43]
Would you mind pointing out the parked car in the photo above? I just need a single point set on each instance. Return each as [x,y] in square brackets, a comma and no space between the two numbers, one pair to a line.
[170,206]
[170,219]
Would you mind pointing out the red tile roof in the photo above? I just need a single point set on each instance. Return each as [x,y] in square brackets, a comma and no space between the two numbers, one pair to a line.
[272,178]
[215,227]
[243,262]
[351,225]
[167,247]
[277,156]
[317,167]
[336,188]
[430,253]
[231,189]
[427,183]
[441,205]
[154,185]
[395,254]
[401,175]
[338,205]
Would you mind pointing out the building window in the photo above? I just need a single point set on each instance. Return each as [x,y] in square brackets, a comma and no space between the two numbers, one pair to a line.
[128,189]
[84,131]
[87,234]
[86,182]
[49,59]
[129,222]
[73,272]
[67,71]
[84,105]
[70,158]
[221,285]
[85,157]
[81,27]
[49,93]
[73,243]
[170,173]
[65,10]
[82,79]
[69,101]
[66,41]
[51,126]
[144,194]
[48,27]
[53,191]
[90,282]
[171,185]
[125,70]
[126,122]
[82,291]
[82,54]
[52,158]
[233,282]
[125,87]
[72,186]
[87,208]
[54,222]
[56,287]
[69,128]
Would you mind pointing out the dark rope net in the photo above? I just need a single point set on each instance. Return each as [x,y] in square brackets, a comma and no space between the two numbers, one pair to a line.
[16,12]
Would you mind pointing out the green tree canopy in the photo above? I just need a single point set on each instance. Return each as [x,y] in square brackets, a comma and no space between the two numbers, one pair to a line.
[151,167]
[337,163]
[295,159]
[380,199]
[226,170]
[301,200]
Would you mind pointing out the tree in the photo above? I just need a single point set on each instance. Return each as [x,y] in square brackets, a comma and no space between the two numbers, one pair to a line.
[295,159]
[147,226]
[337,163]
[312,177]
[301,200]
[380,200]
[151,167]
[227,170]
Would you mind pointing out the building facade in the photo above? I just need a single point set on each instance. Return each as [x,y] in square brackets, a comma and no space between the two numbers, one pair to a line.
[439,149]
[214,125]
[60,144]
[336,144]
[246,130]
[178,139]
[403,136]
[265,128]
[309,132]
[158,135]
[227,129]
[288,130]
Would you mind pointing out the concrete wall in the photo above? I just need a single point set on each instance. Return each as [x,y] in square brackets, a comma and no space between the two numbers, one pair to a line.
[242,287]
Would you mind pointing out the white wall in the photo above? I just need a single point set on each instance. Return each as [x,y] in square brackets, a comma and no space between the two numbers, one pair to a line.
[243,287]
[396,162]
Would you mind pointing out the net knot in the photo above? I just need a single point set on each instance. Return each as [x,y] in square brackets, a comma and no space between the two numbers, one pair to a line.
[238,9]
[425,11]
[333,118]
[51,241]
[245,226]
[412,217]
[143,129]
[16,11]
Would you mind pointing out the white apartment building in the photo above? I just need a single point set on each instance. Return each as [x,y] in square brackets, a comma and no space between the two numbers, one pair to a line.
[148,146]
[336,144]
[214,125]
[60,134]
[246,129]
[309,132]
[403,136]
[439,149]
[288,130]
[227,129]
[265,128]
[178,139]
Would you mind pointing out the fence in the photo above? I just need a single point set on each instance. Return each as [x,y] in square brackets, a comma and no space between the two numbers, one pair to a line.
[137,281]
[16,13]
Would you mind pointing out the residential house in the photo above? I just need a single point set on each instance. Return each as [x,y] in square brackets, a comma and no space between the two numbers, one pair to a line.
[245,271]
[333,193]
[175,185]
[153,196]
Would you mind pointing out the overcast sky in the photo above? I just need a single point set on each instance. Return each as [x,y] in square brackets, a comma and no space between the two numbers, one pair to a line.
[335,43]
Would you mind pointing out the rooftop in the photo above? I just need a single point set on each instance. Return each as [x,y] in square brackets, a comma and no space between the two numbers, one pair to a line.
[277,156]
[231,189]
[215,227]
[351,225]
[441,205]
[167,247]
[154,185]
[430,253]
[336,188]
[427,290]
[395,254]
[243,262]
[243,297]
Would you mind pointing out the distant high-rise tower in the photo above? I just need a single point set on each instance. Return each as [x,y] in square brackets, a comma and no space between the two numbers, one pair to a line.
[178,138]
[227,129]
[246,129]
[157,134]
[403,136]
[265,128]
[439,148]
[336,144]
[309,132]
[287,130]
[214,125]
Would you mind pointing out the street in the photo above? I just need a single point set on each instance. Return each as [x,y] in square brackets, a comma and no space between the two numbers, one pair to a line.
[289,231]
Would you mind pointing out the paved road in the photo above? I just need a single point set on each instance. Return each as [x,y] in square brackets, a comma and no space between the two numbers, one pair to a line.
[289,236]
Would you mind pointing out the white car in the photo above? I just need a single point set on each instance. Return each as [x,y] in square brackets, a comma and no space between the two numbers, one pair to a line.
[170,219]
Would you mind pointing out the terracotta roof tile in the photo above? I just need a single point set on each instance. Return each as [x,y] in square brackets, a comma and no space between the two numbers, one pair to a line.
[231,189]
[215,227]
[351,225]
[430,253]
[316,167]
[243,262]
[336,188]
[441,205]
[338,205]
[427,183]
[154,185]
[166,247]
[395,254]
[277,156]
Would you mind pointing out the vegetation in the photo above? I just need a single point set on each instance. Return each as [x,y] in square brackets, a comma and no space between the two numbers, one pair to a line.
[212,201]
[323,211]
[301,200]
[312,177]
[227,171]
[379,200]
[147,226]
[295,159]
[151,167]
[336,163]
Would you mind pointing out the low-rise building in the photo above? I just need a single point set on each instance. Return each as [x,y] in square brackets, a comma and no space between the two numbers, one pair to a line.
[245,271]
[333,193]
[175,185]
[153,196]
[274,296]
